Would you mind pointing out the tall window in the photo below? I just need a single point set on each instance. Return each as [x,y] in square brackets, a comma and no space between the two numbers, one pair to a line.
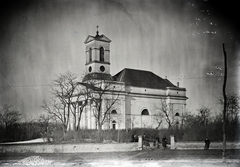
[90,54]
[114,112]
[101,52]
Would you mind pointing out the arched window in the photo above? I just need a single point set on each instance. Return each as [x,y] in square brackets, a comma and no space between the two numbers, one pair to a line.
[145,112]
[101,53]
[177,114]
[114,124]
[90,54]
[114,112]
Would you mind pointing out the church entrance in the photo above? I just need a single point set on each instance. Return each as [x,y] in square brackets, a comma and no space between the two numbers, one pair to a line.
[114,125]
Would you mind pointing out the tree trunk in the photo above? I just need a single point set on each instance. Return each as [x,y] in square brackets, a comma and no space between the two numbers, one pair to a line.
[78,123]
[100,137]
[79,118]
[64,132]
[74,122]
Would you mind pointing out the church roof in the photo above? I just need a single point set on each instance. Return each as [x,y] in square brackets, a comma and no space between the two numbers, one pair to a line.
[97,76]
[140,78]
[97,38]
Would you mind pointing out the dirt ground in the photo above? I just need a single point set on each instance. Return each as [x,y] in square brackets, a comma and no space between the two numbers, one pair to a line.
[144,158]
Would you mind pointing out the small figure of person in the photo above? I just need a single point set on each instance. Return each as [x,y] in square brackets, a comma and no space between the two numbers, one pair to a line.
[144,135]
[207,143]
[164,142]
[144,139]
[133,138]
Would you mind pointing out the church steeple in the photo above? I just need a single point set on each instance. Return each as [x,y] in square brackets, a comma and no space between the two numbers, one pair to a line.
[97,56]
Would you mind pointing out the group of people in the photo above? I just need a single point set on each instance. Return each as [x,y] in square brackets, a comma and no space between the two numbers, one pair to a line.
[206,147]
[165,141]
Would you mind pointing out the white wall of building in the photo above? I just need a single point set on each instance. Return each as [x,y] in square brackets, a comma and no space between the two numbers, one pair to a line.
[131,102]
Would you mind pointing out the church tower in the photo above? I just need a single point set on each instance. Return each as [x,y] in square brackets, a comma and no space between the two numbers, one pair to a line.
[97,57]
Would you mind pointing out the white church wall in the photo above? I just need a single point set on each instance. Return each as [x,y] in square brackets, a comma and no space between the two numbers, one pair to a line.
[178,106]
[146,90]
[176,92]
[138,104]
[119,118]
[128,111]
[114,86]
[129,108]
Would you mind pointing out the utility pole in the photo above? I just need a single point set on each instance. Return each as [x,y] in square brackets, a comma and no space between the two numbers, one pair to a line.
[225,103]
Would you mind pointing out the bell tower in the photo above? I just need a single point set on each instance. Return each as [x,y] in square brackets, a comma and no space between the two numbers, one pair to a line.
[97,57]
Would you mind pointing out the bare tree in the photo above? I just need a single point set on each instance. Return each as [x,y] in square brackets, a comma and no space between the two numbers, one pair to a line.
[8,116]
[232,107]
[159,119]
[44,121]
[109,102]
[103,96]
[166,112]
[79,103]
[55,109]
[60,104]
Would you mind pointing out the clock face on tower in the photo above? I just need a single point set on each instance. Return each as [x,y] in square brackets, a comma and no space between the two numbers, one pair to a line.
[102,68]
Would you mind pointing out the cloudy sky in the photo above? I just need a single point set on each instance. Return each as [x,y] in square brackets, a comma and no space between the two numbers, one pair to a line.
[180,39]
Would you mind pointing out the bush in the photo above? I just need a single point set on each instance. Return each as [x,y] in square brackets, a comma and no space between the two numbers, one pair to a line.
[20,132]
[191,132]
[83,136]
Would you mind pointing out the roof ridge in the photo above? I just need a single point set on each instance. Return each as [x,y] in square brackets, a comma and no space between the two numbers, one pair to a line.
[137,69]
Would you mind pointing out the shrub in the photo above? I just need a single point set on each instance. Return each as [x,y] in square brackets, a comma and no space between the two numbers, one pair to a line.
[120,135]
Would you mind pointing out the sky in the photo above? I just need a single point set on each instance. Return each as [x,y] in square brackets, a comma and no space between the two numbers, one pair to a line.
[178,39]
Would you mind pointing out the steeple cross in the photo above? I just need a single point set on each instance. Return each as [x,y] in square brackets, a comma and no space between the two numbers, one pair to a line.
[97,31]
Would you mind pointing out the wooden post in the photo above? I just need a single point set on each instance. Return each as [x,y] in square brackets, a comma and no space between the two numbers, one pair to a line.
[225,104]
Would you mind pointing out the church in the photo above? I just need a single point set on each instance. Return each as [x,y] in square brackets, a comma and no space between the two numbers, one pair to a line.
[140,94]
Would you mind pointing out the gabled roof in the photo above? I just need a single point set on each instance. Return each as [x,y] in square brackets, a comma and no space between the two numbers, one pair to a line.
[140,78]
[97,38]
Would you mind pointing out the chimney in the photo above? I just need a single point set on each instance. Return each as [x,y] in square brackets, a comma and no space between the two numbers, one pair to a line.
[177,84]
[165,77]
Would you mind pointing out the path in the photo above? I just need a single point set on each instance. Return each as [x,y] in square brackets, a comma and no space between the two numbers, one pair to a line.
[146,158]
